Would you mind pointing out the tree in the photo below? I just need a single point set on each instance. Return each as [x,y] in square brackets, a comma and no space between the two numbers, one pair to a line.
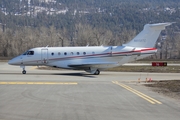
[83,35]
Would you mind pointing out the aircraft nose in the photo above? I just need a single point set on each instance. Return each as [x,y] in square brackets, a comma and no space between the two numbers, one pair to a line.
[11,62]
[14,61]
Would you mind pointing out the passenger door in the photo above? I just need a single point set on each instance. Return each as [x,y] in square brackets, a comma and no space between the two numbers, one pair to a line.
[44,56]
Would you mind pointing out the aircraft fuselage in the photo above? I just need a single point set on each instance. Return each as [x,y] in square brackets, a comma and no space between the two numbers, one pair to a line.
[64,57]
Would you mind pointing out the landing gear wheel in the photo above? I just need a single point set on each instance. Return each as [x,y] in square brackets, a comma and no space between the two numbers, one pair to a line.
[97,72]
[23,72]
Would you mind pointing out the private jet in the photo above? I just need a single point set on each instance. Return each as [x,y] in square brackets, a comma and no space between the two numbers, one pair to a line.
[93,59]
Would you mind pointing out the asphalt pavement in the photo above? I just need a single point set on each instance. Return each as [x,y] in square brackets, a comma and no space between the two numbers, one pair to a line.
[77,95]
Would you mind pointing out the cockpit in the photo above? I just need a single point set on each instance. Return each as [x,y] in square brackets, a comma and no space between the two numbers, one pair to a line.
[29,53]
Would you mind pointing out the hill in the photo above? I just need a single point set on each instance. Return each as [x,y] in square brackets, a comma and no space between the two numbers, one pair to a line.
[32,23]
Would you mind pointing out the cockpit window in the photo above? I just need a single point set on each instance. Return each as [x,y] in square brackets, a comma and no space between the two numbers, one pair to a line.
[25,53]
[29,53]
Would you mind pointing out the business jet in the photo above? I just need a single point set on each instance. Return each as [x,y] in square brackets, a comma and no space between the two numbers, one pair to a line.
[93,59]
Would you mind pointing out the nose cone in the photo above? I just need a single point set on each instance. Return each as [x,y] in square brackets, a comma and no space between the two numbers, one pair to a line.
[14,61]
[10,62]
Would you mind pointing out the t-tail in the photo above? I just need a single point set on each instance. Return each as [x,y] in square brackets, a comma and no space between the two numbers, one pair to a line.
[148,36]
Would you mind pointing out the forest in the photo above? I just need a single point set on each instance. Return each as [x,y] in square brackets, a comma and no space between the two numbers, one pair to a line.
[85,22]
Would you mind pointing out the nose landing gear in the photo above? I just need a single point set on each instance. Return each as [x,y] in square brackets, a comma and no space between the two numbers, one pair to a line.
[24,71]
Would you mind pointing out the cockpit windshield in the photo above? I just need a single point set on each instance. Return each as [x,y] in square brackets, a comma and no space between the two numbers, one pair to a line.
[29,53]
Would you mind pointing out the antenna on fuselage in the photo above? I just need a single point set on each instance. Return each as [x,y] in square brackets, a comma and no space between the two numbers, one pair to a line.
[47,46]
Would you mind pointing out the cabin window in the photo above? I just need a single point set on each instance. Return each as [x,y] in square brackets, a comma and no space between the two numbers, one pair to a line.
[30,53]
[59,53]
[84,53]
[52,53]
[65,53]
[77,53]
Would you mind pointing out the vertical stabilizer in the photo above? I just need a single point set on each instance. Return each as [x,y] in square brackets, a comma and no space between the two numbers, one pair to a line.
[148,37]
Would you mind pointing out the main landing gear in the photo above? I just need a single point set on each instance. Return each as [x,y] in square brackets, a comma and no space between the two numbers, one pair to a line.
[97,72]
[24,71]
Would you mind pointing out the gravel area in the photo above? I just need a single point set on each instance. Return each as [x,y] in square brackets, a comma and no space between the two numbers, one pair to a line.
[169,88]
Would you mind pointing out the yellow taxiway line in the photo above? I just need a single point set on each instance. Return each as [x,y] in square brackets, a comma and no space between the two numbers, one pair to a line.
[38,83]
[147,98]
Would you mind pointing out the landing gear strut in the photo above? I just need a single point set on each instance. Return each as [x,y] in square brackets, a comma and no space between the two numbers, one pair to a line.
[97,72]
[24,71]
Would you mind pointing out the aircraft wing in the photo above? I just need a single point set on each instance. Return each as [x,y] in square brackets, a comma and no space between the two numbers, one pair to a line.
[91,64]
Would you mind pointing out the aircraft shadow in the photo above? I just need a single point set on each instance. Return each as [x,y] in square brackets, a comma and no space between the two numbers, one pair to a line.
[64,74]
[76,74]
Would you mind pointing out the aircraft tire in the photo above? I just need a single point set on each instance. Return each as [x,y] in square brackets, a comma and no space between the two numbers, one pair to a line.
[23,72]
[97,72]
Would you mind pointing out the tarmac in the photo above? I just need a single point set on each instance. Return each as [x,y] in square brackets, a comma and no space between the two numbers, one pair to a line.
[77,95]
